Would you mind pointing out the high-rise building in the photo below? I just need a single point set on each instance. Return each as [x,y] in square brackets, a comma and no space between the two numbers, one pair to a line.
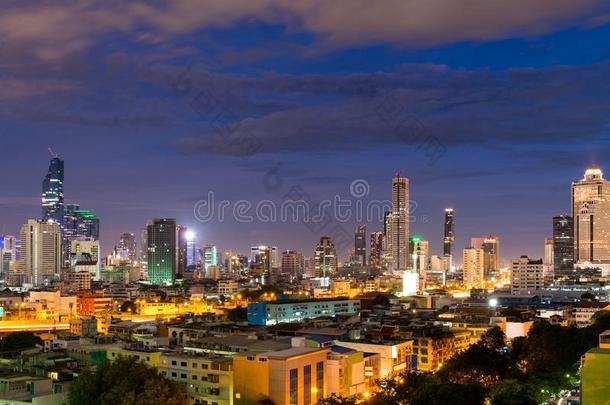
[127,243]
[473,265]
[162,255]
[210,257]
[78,224]
[325,258]
[419,250]
[399,222]
[526,276]
[548,261]
[40,260]
[181,248]
[191,249]
[53,192]
[449,236]
[360,245]
[591,213]
[85,254]
[376,249]
[563,246]
[491,253]
[292,263]
[143,248]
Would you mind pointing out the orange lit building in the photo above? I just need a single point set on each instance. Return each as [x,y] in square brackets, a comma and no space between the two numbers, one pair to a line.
[92,304]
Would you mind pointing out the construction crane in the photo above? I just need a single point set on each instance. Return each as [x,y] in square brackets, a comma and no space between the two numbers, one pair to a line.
[53,154]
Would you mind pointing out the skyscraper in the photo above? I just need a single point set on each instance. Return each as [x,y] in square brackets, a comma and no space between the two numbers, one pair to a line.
[420,254]
[325,257]
[162,255]
[399,222]
[292,263]
[53,192]
[181,248]
[40,251]
[210,257]
[78,224]
[563,246]
[449,237]
[473,265]
[127,242]
[191,249]
[591,213]
[360,245]
[375,249]
[491,253]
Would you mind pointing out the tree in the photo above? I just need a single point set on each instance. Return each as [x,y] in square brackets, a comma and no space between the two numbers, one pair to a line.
[513,392]
[475,365]
[125,381]
[19,340]
[338,400]
[493,339]
[588,296]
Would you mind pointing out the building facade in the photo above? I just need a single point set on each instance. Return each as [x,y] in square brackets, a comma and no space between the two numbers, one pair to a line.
[399,223]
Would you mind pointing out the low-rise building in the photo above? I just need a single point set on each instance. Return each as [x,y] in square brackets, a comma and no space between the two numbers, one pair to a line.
[270,313]
[594,372]
[433,347]
[295,376]
[584,311]
[394,356]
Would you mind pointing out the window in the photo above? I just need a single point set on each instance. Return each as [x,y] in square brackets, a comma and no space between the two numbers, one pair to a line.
[294,385]
[320,380]
[183,364]
[182,375]
[174,362]
[307,384]
[194,365]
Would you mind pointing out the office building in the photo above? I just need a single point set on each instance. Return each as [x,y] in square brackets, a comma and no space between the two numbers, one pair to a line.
[473,265]
[491,254]
[376,248]
[293,263]
[210,257]
[527,276]
[325,258]
[191,249]
[85,255]
[360,245]
[563,246]
[419,250]
[591,213]
[78,224]
[40,261]
[53,192]
[399,223]
[127,243]
[548,261]
[162,255]
[294,376]
[271,313]
[449,236]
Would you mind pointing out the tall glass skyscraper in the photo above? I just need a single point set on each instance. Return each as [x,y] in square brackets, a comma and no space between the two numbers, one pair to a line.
[563,246]
[162,255]
[53,192]
[449,237]
[78,224]
[399,222]
[360,244]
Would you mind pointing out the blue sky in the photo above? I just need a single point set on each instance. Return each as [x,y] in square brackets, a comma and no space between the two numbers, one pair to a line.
[149,103]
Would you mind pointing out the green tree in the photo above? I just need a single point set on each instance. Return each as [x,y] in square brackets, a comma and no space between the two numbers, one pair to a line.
[493,339]
[588,296]
[19,340]
[338,400]
[513,392]
[476,365]
[125,381]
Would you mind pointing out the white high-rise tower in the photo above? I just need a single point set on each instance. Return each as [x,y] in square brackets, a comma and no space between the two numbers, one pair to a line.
[399,222]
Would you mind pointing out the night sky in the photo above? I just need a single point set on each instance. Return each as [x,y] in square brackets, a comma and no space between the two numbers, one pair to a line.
[153,106]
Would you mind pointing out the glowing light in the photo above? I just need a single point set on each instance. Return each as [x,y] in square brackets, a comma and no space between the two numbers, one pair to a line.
[493,302]
[190,236]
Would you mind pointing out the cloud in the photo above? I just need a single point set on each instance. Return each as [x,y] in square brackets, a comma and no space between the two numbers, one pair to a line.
[567,104]
[54,29]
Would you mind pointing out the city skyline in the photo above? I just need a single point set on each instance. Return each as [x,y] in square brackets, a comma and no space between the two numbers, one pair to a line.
[436,238]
